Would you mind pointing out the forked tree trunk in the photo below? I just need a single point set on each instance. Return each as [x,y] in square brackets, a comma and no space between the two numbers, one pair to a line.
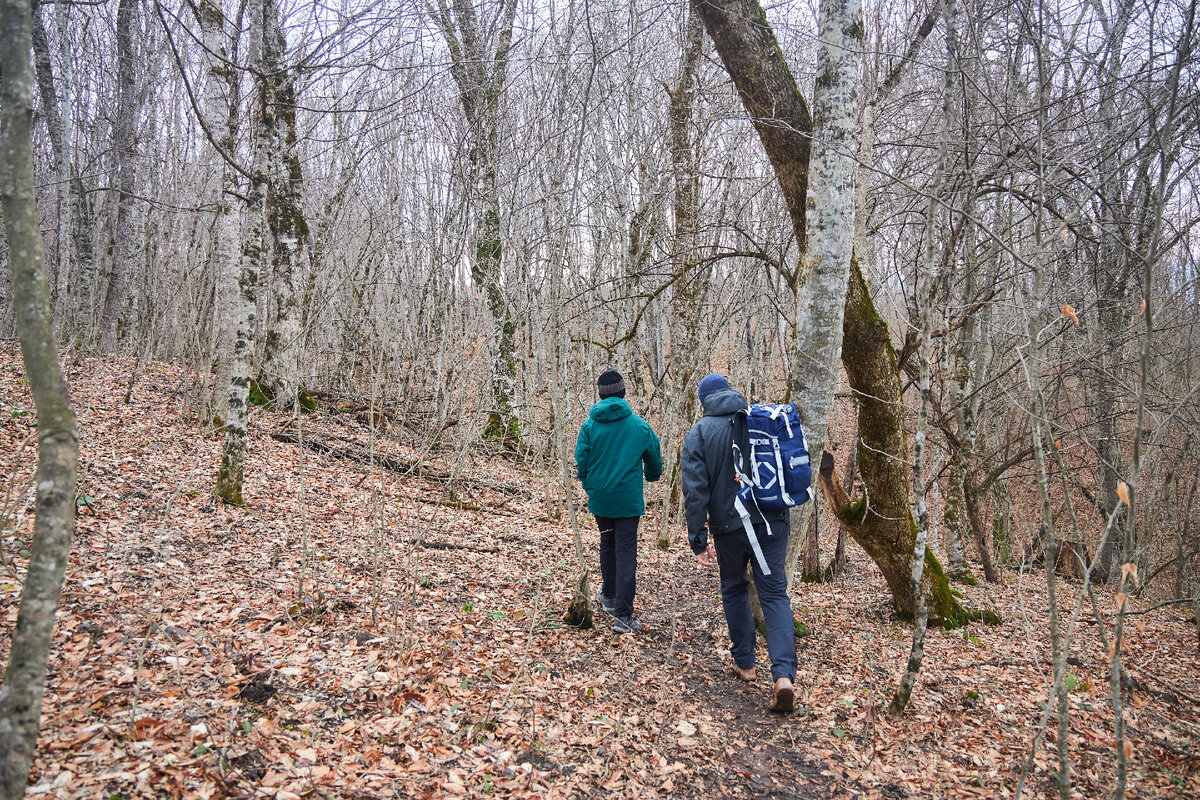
[769,93]
[58,445]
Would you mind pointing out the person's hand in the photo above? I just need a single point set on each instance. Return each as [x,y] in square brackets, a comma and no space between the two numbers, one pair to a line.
[708,558]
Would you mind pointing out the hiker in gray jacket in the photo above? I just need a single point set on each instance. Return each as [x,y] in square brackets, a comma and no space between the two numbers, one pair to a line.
[709,490]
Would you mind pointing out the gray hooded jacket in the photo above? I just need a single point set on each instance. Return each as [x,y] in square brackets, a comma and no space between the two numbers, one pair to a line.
[709,486]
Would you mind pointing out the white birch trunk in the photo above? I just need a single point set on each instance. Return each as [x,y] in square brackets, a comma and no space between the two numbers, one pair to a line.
[286,220]
[825,264]
[230,477]
[221,118]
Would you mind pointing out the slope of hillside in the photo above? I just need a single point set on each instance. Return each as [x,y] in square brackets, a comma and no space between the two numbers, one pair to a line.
[365,632]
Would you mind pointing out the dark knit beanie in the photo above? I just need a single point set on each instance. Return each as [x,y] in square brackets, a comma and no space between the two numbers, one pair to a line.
[710,383]
[610,384]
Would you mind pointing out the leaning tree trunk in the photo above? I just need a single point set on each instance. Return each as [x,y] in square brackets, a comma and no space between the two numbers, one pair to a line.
[748,48]
[285,218]
[233,460]
[58,446]
[882,522]
[125,233]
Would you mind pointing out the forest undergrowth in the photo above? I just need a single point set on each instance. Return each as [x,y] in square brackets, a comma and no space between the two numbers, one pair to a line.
[365,632]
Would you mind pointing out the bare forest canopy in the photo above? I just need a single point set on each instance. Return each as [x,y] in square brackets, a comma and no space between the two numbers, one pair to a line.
[443,219]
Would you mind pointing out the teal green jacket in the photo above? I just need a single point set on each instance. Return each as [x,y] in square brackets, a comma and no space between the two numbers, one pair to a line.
[615,448]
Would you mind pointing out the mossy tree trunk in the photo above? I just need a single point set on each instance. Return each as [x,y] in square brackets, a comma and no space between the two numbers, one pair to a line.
[58,444]
[887,530]
[882,521]
[233,460]
[480,73]
[283,339]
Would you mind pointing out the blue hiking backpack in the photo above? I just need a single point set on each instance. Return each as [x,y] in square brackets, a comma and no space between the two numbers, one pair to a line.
[771,459]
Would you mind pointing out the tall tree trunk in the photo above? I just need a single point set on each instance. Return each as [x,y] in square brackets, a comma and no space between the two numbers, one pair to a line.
[769,93]
[1112,278]
[57,132]
[691,279]
[823,182]
[220,113]
[233,460]
[125,150]
[927,281]
[282,344]
[58,445]
[480,76]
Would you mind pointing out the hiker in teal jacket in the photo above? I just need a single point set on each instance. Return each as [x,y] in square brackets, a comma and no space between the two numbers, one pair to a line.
[615,449]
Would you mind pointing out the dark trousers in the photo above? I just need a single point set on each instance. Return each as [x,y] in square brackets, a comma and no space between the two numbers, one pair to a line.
[618,561]
[733,553]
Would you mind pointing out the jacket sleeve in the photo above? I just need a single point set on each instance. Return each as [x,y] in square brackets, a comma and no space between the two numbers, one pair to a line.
[652,457]
[695,482]
[583,449]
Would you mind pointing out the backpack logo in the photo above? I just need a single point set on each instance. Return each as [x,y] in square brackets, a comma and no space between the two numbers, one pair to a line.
[771,458]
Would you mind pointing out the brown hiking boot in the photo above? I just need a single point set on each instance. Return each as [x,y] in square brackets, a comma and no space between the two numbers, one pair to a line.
[785,696]
[748,675]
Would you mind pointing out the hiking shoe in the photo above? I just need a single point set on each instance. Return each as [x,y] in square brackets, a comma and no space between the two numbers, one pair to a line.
[607,604]
[748,675]
[785,696]
[627,625]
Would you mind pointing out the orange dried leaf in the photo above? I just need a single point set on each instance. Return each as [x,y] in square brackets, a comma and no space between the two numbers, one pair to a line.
[1068,311]
[1123,492]
[1128,749]
[1120,600]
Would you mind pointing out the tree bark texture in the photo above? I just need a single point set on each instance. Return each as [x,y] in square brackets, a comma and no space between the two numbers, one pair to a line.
[233,460]
[220,93]
[126,244]
[285,219]
[480,76]
[751,54]
[882,523]
[691,278]
[58,445]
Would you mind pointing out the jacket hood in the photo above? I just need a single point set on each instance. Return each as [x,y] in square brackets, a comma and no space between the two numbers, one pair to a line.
[723,402]
[610,409]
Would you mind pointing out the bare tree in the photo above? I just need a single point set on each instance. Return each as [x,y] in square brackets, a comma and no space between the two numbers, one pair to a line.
[58,446]
[480,74]
[127,231]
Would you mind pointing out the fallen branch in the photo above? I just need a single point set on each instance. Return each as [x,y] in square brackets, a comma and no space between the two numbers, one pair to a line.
[453,546]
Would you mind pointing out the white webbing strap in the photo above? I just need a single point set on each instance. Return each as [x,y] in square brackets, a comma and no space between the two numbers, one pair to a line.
[787,498]
[749,526]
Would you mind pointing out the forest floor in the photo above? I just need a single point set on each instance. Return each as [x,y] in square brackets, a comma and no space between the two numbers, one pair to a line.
[310,645]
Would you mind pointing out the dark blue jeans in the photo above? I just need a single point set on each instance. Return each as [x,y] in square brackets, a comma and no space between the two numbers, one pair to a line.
[733,553]
[618,561]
